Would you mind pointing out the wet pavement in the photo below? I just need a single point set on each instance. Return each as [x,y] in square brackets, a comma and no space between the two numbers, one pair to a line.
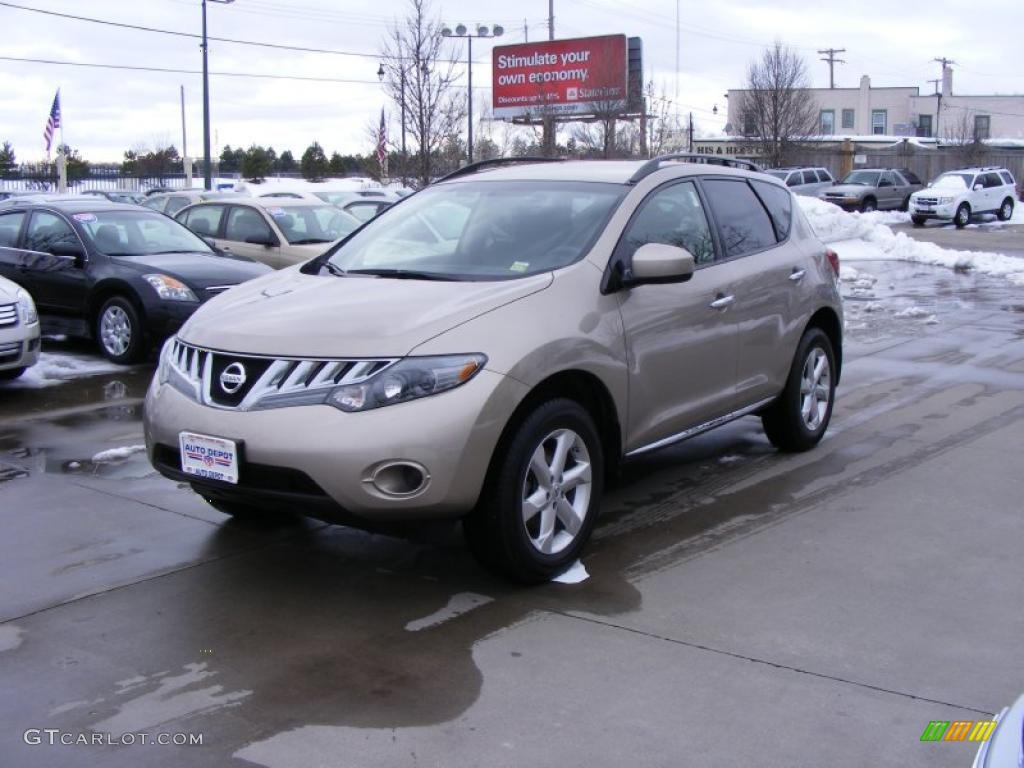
[984,233]
[743,607]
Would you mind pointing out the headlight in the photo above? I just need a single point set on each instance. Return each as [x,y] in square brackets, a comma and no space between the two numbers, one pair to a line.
[26,307]
[944,200]
[163,367]
[169,288]
[408,379]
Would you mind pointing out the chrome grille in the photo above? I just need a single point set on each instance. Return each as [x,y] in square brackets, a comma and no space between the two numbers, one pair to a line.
[8,314]
[12,350]
[926,200]
[280,381]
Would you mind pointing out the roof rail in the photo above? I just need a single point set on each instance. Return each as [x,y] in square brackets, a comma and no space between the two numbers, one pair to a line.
[481,165]
[691,157]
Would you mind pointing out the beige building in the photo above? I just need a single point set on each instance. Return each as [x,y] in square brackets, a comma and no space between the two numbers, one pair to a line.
[904,111]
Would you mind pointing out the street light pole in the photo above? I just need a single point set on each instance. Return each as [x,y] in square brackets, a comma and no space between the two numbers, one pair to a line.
[481,31]
[207,170]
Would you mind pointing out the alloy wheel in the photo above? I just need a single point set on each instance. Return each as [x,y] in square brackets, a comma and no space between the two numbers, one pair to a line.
[115,331]
[815,389]
[557,491]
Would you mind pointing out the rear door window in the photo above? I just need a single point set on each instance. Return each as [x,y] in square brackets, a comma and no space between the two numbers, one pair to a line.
[10,226]
[673,216]
[779,204]
[205,219]
[824,176]
[910,176]
[742,220]
[1007,178]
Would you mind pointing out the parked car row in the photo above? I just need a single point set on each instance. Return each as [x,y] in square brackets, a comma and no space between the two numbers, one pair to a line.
[954,196]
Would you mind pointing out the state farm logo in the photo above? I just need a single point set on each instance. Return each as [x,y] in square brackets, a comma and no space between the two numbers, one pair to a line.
[232,378]
[572,94]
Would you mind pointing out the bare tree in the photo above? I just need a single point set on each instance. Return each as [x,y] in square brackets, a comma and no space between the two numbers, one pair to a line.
[664,129]
[777,109]
[420,82]
[961,133]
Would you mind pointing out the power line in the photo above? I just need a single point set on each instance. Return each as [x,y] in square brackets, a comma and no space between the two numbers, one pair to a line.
[178,33]
[187,71]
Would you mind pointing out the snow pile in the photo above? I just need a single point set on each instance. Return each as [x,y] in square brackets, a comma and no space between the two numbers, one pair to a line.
[116,454]
[57,368]
[864,237]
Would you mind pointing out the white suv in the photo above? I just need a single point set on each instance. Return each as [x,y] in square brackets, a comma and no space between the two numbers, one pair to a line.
[957,195]
[19,330]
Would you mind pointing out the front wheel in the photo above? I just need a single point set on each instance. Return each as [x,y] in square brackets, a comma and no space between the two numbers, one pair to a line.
[918,221]
[797,420]
[539,503]
[1006,210]
[868,205]
[963,216]
[119,331]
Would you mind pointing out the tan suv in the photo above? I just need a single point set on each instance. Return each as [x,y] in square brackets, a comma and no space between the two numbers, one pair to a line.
[277,232]
[492,347]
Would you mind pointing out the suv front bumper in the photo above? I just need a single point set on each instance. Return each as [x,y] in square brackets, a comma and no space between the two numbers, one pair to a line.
[947,211]
[318,460]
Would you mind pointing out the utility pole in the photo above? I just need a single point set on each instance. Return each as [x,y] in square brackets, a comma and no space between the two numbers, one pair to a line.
[938,104]
[690,132]
[526,32]
[184,140]
[830,58]
[548,139]
[207,162]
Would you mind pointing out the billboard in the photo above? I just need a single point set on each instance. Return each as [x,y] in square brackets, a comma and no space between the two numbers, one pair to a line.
[560,77]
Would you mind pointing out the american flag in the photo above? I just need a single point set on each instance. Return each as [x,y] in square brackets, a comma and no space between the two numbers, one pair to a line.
[53,123]
[382,145]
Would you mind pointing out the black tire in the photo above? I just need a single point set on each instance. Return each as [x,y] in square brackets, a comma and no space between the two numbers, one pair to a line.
[1005,212]
[868,204]
[120,311]
[918,221]
[905,205]
[11,374]
[496,531]
[963,216]
[784,422]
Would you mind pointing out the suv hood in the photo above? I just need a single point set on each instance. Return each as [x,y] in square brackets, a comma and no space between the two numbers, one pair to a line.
[847,190]
[291,314]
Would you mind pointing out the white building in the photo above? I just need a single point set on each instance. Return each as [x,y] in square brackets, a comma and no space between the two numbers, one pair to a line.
[903,111]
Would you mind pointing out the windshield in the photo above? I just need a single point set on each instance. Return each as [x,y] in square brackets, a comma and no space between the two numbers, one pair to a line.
[953,181]
[862,178]
[308,224]
[482,230]
[138,233]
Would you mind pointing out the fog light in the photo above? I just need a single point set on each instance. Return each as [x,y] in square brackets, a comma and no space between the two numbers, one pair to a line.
[399,478]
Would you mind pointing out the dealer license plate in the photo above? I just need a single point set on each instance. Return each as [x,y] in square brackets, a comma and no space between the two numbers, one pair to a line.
[210,457]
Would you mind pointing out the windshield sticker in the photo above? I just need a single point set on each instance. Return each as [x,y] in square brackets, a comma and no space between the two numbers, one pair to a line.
[276,212]
[85,218]
[519,266]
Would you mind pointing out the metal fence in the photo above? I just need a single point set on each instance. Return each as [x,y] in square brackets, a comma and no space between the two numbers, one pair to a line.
[926,163]
[46,180]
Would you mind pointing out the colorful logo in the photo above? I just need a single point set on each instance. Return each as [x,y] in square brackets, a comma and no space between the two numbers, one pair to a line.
[958,730]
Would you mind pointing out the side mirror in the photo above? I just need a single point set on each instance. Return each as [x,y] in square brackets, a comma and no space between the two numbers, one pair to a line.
[69,250]
[268,241]
[659,263]
[978,187]
[209,241]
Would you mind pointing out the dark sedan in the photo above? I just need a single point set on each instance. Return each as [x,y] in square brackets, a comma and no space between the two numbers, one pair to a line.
[127,276]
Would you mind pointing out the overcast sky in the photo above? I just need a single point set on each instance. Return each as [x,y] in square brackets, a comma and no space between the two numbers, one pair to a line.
[108,111]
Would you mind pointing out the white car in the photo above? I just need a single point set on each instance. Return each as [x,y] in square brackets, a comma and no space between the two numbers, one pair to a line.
[19,331]
[958,195]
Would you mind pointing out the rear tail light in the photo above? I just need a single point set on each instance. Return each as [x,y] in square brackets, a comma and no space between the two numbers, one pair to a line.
[833,259]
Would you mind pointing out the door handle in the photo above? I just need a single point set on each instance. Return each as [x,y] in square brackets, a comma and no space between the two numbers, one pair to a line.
[722,302]
[797,274]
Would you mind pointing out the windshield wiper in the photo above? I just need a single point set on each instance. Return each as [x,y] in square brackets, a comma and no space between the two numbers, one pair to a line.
[334,269]
[402,274]
[309,241]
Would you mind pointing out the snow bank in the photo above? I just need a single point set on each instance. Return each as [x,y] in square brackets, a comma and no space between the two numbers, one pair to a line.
[57,368]
[116,454]
[866,237]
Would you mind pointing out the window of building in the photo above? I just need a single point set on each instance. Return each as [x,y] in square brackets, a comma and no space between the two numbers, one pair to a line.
[749,128]
[924,125]
[848,119]
[828,122]
[879,121]
[982,126]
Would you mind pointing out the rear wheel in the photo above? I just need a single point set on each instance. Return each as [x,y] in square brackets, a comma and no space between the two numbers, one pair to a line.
[963,216]
[868,205]
[918,220]
[797,420]
[11,373]
[539,503]
[119,331]
[1006,210]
